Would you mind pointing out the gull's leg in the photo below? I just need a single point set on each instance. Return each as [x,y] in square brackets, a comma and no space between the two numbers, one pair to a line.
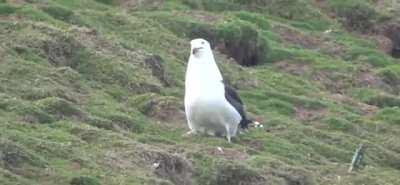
[191,132]
[228,133]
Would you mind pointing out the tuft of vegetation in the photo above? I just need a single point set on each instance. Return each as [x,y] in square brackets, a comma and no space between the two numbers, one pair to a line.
[389,115]
[6,9]
[59,12]
[356,15]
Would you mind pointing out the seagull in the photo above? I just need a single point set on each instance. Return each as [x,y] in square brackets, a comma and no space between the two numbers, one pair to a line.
[211,105]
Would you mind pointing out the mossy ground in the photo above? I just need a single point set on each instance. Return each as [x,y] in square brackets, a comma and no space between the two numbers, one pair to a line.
[79,104]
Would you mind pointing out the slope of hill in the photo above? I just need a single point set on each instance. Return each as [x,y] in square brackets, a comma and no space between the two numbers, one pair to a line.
[91,91]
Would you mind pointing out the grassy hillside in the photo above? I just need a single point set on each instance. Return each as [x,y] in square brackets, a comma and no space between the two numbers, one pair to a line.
[91,91]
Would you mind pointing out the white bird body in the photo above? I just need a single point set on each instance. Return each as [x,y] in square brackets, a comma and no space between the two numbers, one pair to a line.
[206,107]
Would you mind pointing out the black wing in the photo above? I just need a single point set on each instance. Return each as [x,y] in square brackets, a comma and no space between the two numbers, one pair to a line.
[233,98]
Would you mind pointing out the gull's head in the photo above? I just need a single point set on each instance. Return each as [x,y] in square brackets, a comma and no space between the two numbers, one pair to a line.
[199,47]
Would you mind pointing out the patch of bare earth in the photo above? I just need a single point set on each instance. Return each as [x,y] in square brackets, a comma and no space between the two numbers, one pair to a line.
[367,78]
[383,43]
[292,176]
[228,153]
[170,166]
[333,81]
[296,37]
[140,4]
[304,114]
[233,174]
[363,107]
[203,16]
[168,110]
[293,68]
[316,42]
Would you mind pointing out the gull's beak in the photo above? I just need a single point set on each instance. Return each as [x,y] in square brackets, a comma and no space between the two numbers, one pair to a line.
[196,50]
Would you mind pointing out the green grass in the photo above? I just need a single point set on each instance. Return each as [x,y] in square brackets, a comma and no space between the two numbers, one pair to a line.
[6,9]
[79,105]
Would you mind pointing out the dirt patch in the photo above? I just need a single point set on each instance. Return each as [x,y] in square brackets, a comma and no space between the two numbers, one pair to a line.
[167,165]
[170,166]
[228,153]
[390,30]
[367,78]
[253,145]
[293,176]
[163,108]
[333,81]
[315,42]
[202,16]
[304,114]
[296,37]
[231,174]
[155,63]
[292,67]
[140,4]
[383,43]
[363,107]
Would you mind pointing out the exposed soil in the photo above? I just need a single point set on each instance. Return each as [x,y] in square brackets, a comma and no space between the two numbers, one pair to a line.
[238,175]
[392,31]
[296,37]
[170,166]
[304,114]
[293,68]
[155,63]
[140,4]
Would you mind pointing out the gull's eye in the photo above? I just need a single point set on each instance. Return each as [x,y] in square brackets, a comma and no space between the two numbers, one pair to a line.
[202,42]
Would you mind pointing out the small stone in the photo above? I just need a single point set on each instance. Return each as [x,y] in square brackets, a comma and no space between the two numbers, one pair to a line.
[220,150]
[156,165]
